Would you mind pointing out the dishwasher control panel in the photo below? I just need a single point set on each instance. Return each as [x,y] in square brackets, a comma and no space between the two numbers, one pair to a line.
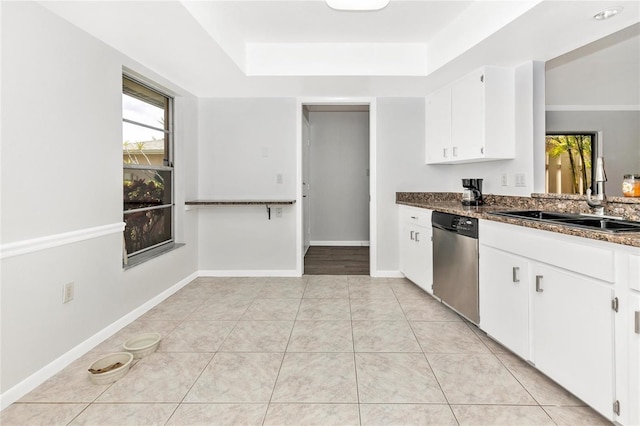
[463,225]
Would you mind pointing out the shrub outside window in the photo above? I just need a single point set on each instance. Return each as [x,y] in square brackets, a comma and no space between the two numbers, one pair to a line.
[147,131]
[569,156]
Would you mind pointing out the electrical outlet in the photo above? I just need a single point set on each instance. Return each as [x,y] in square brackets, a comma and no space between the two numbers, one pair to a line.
[69,289]
[279,178]
[504,179]
[520,180]
[278,211]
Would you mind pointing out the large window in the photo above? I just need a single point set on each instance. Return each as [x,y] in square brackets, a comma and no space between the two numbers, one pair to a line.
[147,135]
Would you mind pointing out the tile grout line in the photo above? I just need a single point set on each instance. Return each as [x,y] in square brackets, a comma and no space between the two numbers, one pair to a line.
[355,365]
[523,387]
[181,402]
[284,354]
[429,363]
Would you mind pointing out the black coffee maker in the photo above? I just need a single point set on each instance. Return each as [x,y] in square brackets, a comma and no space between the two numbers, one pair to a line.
[472,194]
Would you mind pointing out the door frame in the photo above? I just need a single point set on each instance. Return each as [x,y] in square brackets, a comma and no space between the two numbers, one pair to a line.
[371,102]
[306,148]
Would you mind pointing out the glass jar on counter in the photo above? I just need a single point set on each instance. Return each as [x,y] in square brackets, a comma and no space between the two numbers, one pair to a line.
[631,185]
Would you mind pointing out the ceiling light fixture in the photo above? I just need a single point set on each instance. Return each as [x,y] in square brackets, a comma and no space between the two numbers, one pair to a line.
[606,14]
[357,5]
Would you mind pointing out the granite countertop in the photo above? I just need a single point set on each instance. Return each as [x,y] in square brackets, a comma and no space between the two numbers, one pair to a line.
[455,207]
[450,203]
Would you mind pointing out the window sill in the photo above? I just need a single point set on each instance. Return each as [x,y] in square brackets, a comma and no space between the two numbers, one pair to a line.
[152,254]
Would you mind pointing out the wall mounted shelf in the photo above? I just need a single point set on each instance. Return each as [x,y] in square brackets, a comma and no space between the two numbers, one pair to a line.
[266,203]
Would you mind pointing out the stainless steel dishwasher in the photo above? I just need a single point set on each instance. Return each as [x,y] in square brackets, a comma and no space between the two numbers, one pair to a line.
[455,263]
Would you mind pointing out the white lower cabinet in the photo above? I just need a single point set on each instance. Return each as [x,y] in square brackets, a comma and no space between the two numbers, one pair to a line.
[416,253]
[548,298]
[572,324]
[633,319]
[504,298]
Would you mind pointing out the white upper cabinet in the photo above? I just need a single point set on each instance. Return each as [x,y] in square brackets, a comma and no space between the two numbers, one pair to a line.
[473,119]
[438,131]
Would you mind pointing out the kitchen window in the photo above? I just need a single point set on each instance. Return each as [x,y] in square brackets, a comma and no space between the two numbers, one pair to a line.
[569,156]
[147,149]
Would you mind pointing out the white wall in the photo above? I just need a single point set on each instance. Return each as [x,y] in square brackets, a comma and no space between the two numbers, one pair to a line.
[597,88]
[604,72]
[339,177]
[400,167]
[233,132]
[61,174]
[244,145]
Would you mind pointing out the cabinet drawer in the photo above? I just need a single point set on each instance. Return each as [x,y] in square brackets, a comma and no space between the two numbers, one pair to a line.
[415,215]
[580,255]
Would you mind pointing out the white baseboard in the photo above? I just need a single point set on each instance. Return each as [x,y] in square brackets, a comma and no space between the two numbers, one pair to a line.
[27,385]
[592,107]
[249,273]
[340,243]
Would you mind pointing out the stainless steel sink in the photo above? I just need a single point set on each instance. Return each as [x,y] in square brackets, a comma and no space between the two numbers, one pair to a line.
[574,220]
[537,215]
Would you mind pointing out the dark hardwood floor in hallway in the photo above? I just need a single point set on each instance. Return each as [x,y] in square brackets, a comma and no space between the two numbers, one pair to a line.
[323,260]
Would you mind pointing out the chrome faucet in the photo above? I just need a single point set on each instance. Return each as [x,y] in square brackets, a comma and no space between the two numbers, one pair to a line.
[599,201]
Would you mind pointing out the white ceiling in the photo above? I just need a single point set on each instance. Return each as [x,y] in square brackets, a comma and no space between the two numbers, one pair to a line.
[307,37]
[315,22]
[304,48]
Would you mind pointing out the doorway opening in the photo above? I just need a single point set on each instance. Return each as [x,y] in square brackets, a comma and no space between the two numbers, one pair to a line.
[335,188]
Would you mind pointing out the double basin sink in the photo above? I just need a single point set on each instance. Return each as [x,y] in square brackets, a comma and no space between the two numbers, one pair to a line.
[604,224]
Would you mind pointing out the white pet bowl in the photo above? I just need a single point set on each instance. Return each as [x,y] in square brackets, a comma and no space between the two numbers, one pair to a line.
[142,345]
[112,375]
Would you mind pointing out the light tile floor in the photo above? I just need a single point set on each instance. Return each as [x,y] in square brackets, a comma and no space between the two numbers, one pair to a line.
[323,350]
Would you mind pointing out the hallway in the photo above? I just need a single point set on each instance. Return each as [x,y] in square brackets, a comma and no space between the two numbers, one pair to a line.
[323,260]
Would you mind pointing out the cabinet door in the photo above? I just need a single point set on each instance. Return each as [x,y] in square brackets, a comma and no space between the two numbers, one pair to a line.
[438,126]
[573,334]
[504,298]
[406,244]
[417,262]
[424,259]
[634,358]
[467,117]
